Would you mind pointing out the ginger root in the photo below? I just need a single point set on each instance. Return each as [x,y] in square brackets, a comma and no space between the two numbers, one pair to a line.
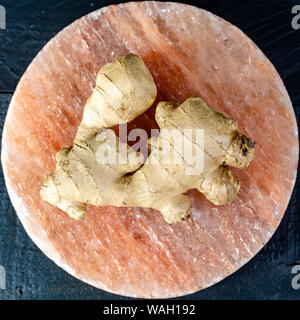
[124,90]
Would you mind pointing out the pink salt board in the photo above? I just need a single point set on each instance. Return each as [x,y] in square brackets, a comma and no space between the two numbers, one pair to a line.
[190,52]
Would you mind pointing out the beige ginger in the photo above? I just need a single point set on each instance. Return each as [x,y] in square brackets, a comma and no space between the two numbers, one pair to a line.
[124,90]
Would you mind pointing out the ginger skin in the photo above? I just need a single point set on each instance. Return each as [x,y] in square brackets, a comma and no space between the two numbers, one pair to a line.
[124,90]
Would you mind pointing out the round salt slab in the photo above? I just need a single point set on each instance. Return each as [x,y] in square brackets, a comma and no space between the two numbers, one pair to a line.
[190,52]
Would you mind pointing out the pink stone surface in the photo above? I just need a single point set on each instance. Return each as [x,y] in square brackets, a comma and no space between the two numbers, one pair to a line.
[133,251]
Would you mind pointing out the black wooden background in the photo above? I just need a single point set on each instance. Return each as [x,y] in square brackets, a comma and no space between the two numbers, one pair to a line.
[30,274]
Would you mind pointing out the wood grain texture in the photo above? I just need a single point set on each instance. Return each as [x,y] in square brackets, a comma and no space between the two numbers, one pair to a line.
[275,257]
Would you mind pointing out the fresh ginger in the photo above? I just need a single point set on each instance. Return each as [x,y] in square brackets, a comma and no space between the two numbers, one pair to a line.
[124,90]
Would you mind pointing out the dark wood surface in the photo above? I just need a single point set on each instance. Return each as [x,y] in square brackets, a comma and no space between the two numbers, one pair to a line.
[30,274]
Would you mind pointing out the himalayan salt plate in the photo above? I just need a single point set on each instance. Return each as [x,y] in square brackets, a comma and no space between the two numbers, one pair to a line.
[190,52]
